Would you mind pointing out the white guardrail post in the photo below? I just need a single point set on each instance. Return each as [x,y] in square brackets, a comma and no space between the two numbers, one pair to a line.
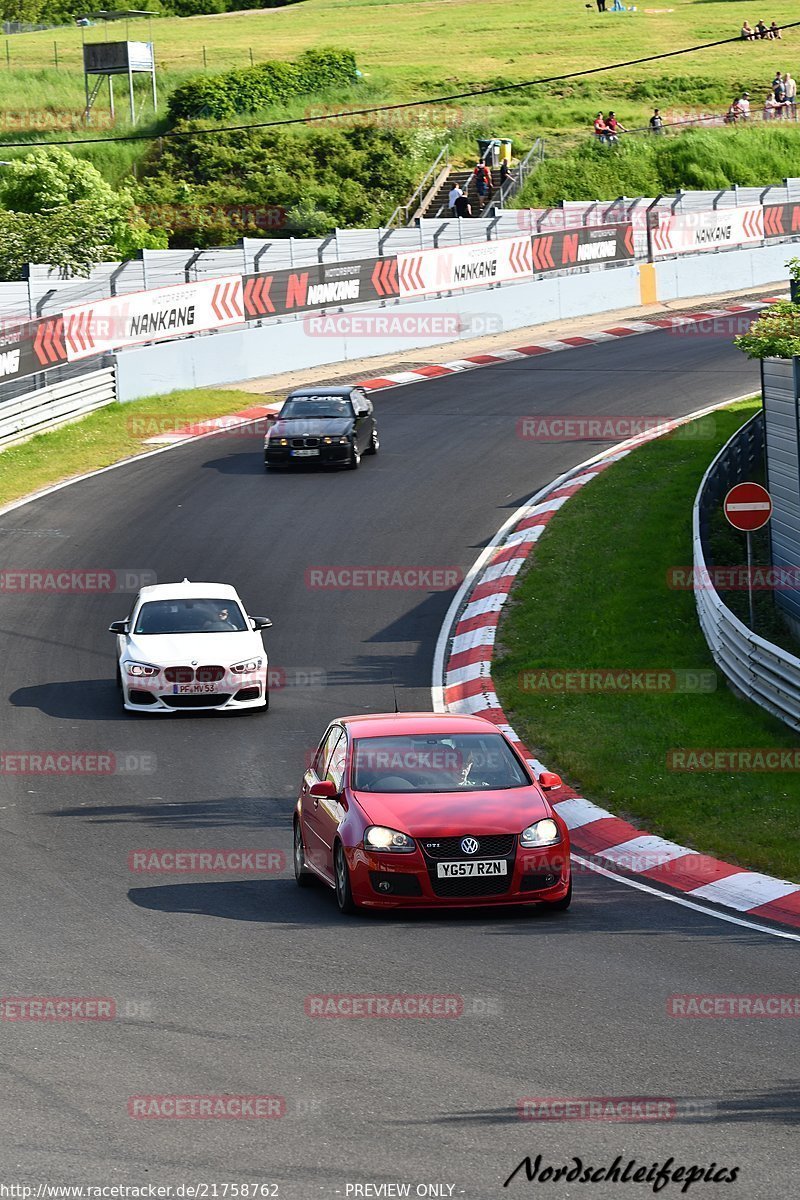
[57,404]
[758,669]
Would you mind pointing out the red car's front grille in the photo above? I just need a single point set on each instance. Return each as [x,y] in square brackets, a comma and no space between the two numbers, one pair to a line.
[495,845]
[461,888]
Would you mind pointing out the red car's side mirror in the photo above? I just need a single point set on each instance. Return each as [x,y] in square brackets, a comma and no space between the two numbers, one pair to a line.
[548,781]
[323,790]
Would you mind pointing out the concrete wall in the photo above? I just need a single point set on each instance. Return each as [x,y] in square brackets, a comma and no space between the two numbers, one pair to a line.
[289,345]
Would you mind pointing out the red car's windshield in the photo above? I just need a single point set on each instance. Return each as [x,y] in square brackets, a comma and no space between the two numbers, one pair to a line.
[461,762]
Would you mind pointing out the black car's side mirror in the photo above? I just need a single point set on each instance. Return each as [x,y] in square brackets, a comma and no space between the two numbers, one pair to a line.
[261,622]
[118,627]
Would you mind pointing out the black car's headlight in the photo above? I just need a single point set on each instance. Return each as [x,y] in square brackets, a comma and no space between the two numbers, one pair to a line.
[541,833]
[378,837]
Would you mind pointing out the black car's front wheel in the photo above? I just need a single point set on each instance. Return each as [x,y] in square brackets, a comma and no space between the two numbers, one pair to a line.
[344,896]
[374,443]
[354,461]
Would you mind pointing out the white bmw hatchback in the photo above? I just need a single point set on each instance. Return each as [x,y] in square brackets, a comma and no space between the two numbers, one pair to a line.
[191,646]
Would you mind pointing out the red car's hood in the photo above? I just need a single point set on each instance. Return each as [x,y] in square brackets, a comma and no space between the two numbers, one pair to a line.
[426,814]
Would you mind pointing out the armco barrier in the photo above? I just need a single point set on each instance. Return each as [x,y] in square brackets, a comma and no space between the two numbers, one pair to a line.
[760,670]
[23,416]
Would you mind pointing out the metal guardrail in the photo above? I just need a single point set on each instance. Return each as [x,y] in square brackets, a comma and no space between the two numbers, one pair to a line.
[401,215]
[515,183]
[758,669]
[34,411]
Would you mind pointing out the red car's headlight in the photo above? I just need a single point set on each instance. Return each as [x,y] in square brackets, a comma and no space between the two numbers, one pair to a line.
[378,837]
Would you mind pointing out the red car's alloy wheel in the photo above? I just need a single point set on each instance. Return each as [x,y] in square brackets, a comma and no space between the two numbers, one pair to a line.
[344,896]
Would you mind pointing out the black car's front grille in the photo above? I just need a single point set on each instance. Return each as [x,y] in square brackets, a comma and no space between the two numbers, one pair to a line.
[463,887]
[493,845]
[207,701]
[310,443]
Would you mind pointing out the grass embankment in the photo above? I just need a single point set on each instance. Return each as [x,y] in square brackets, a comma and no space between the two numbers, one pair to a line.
[106,436]
[647,166]
[595,596]
[412,48]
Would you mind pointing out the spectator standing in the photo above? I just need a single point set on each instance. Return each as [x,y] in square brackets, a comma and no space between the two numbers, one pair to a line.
[463,208]
[790,92]
[614,128]
[743,104]
[601,5]
[656,122]
[600,127]
[771,107]
[483,180]
[778,90]
[505,172]
[452,199]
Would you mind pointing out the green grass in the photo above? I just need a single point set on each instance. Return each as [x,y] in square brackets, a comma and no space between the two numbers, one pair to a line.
[595,595]
[410,48]
[647,166]
[106,436]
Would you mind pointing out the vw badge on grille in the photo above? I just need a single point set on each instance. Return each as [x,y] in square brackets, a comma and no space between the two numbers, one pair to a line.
[469,845]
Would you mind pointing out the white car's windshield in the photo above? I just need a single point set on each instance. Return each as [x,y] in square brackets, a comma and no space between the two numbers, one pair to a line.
[465,762]
[312,407]
[204,615]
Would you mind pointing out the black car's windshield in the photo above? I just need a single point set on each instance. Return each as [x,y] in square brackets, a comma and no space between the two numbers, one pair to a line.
[464,762]
[190,616]
[311,407]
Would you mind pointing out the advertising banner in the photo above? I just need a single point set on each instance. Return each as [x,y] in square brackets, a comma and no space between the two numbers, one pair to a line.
[781,220]
[575,247]
[152,316]
[688,233]
[478,264]
[320,285]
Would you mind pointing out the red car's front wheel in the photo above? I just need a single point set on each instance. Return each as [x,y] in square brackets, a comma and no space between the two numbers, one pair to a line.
[344,895]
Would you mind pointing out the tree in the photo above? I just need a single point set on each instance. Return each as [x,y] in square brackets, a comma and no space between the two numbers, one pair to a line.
[60,210]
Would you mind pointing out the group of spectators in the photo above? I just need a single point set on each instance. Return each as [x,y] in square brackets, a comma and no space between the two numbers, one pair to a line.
[607,129]
[752,33]
[780,102]
[458,200]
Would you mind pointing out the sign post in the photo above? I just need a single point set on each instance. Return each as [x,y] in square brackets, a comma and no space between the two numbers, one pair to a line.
[748,507]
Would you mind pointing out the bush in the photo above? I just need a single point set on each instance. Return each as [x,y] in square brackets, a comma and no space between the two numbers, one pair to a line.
[252,88]
[775,334]
[321,178]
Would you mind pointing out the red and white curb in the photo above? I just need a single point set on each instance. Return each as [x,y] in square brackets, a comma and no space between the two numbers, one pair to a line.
[213,425]
[463,683]
[629,329]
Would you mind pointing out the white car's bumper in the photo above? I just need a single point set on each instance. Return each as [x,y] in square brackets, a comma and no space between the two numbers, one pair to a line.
[230,694]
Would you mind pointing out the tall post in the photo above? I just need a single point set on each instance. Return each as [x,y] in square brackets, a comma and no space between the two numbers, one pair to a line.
[749,537]
[130,93]
[111,96]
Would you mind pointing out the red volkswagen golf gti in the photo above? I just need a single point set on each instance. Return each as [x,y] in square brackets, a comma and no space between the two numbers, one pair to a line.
[428,810]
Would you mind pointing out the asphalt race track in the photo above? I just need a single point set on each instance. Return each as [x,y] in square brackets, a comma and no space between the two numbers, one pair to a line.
[209,974]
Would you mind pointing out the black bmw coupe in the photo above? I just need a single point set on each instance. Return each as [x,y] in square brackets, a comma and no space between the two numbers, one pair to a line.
[332,426]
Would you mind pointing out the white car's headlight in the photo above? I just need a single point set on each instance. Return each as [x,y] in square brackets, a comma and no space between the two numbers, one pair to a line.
[541,833]
[378,837]
[139,669]
[247,668]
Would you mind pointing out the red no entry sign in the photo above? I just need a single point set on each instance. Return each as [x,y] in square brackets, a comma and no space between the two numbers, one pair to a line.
[748,506]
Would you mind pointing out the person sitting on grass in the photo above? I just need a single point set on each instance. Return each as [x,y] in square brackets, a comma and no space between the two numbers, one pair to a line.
[747,31]
[761,30]
[775,32]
